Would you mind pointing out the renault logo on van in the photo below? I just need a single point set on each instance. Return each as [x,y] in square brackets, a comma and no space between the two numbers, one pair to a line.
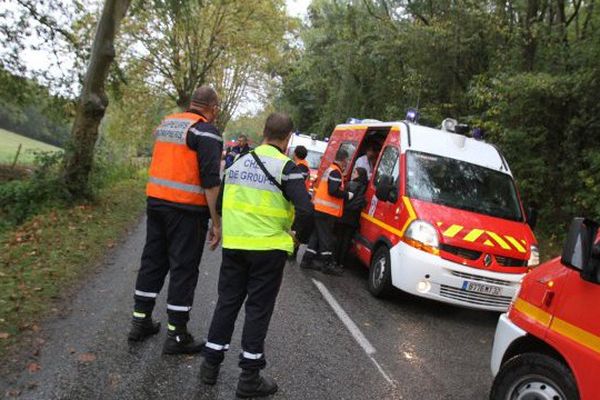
[487,260]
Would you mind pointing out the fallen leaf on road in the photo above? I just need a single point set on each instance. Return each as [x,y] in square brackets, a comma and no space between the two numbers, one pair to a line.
[87,357]
[4,335]
[72,350]
[33,367]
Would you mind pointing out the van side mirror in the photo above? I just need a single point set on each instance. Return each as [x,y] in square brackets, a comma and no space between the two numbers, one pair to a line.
[579,251]
[385,189]
[532,216]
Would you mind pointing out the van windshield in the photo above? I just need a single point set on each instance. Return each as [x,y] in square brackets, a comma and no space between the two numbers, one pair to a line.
[462,185]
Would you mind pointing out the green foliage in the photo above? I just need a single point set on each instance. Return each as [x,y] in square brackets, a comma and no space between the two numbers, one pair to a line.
[19,199]
[30,110]
[45,188]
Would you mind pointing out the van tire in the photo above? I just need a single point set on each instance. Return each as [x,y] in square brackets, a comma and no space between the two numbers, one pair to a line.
[380,276]
[536,373]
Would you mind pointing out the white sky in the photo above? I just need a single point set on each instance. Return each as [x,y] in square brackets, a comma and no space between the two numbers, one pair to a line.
[297,8]
[36,59]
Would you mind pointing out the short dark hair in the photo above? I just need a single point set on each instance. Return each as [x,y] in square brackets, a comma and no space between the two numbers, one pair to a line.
[300,152]
[278,126]
[242,136]
[204,96]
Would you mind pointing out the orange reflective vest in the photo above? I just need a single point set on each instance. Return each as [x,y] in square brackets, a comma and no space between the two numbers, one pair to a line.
[323,201]
[307,180]
[174,171]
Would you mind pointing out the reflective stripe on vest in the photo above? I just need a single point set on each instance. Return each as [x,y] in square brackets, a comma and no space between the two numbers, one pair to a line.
[323,201]
[256,216]
[174,171]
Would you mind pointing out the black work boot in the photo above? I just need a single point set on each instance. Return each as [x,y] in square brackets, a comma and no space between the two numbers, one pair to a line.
[309,264]
[141,328]
[251,384]
[180,341]
[332,269]
[209,372]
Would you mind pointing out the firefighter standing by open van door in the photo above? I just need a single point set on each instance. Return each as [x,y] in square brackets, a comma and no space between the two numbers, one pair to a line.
[182,191]
[261,193]
[329,206]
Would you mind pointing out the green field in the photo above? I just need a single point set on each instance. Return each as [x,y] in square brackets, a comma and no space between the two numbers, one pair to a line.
[9,143]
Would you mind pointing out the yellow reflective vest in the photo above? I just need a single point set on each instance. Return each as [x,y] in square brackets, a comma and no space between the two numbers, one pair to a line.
[256,215]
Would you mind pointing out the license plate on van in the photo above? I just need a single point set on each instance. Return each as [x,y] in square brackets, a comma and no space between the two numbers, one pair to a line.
[481,288]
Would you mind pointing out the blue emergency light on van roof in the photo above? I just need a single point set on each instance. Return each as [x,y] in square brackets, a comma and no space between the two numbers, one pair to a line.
[478,133]
[412,115]
[353,121]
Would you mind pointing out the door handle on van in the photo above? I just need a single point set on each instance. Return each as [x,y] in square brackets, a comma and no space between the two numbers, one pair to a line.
[548,297]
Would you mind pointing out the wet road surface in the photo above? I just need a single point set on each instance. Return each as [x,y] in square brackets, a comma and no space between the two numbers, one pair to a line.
[329,339]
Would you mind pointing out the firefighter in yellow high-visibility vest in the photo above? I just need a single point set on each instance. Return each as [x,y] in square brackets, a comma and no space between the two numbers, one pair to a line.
[262,192]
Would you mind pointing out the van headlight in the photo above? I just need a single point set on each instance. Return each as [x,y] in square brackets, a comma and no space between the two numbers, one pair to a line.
[423,236]
[534,258]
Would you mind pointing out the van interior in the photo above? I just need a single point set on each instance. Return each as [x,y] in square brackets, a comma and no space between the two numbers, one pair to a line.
[375,136]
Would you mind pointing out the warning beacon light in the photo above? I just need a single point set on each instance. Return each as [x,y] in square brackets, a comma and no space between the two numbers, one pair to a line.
[478,134]
[412,115]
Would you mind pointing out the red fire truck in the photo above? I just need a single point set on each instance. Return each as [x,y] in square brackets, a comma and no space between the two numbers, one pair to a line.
[548,345]
[443,218]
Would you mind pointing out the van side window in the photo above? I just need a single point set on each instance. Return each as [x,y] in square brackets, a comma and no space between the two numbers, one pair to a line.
[349,148]
[389,165]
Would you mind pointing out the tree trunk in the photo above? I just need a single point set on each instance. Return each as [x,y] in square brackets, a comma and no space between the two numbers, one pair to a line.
[93,100]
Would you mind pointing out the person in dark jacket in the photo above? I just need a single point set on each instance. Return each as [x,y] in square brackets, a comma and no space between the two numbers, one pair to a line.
[239,150]
[350,220]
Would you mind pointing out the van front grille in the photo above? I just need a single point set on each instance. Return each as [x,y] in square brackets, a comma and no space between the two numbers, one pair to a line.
[510,262]
[480,299]
[461,252]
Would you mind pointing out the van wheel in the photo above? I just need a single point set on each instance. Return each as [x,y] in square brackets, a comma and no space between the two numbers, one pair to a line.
[534,376]
[380,276]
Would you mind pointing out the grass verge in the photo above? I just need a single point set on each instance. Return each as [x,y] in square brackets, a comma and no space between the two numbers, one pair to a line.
[51,251]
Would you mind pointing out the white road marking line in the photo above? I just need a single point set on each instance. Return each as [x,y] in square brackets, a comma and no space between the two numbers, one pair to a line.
[385,376]
[351,326]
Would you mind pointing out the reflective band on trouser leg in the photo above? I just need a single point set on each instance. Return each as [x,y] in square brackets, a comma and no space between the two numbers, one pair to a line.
[217,347]
[139,314]
[178,308]
[146,294]
[252,356]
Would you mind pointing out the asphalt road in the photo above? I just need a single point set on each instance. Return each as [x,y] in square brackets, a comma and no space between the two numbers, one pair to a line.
[329,339]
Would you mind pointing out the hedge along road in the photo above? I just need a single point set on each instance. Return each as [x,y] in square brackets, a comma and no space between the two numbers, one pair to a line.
[329,339]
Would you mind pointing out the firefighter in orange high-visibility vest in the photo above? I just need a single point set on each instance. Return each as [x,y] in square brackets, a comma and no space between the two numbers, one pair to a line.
[328,199]
[182,190]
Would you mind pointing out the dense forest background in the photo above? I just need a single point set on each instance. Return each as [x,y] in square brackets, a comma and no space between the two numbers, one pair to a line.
[525,71]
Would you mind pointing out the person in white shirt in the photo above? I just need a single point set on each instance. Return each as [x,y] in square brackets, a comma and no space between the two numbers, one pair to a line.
[368,160]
